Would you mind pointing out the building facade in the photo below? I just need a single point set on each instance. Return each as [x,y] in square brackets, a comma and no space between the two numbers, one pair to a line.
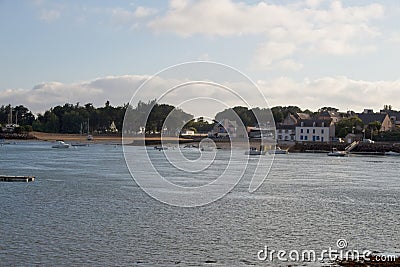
[315,131]
[286,133]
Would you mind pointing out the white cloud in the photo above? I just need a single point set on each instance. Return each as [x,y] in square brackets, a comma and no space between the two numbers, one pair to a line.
[313,3]
[177,4]
[309,26]
[117,89]
[49,15]
[341,92]
[394,38]
[142,12]
[131,18]
[204,57]
[274,55]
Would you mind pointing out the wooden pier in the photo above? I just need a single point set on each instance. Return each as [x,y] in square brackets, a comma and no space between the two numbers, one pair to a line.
[9,178]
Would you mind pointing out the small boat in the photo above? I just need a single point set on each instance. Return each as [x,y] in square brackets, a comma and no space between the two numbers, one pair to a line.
[79,144]
[255,152]
[278,151]
[89,137]
[207,148]
[337,153]
[392,153]
[159,148]
[61,144]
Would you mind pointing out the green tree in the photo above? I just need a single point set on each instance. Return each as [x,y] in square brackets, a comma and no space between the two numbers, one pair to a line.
[239,114]
[348,125]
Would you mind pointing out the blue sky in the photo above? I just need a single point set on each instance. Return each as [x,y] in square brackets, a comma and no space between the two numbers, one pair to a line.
[309,53]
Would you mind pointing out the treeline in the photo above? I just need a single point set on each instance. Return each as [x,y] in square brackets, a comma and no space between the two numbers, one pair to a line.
[68,118]
[71,118]
[152,117]
[148,117]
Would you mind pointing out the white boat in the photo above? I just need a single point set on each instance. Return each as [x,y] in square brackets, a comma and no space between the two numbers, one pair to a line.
[392,153]
[61,144]
[337,153]
[254,152]
[278,151]
[207,148]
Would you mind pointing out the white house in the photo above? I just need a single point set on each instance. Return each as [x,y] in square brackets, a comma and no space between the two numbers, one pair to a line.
[286,132]
[224,128]
[315,131]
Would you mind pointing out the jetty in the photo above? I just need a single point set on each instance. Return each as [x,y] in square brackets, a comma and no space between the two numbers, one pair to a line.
[11,178]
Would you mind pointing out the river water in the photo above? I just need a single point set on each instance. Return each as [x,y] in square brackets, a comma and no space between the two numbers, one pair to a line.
[84,209]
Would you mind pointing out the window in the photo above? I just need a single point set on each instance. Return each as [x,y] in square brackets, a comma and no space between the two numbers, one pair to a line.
[286,131]
[308,130]
[322,131]
[302,124]
[301,131]
[280,137]
[313,131]
[317,137]
[306,137]
[301,137]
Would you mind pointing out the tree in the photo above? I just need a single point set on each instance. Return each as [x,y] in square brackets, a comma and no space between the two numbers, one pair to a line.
[52,123]
[328,109]
[387,107]
[374,127]
[349,125]
[239,114]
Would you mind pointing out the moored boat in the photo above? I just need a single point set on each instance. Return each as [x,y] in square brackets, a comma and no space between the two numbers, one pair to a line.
[392,153]
[61,144]
[337,153]
[278,151]
[255,152]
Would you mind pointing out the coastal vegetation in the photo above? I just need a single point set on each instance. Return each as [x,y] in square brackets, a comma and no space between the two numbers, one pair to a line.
[151,117]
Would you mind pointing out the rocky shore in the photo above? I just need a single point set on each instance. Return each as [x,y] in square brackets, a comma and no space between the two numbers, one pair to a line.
[17,136]
[376,148]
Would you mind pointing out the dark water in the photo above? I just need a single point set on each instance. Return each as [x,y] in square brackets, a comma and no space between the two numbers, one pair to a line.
[84,209]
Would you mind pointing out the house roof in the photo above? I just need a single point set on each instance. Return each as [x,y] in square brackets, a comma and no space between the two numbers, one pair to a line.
[302,116]
[285,127]
[392,113]
[329,114]
[315,123]
[367,118]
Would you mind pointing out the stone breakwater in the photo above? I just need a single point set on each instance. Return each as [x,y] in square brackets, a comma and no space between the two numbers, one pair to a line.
[376,148]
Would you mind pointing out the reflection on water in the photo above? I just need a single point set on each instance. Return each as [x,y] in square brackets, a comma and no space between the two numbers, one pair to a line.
[85,209]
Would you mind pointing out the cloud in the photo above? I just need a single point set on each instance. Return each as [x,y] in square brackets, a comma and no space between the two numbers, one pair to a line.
[273,55]
[307,27]
[116,89]
[49,15]
[132,19]
[342,92]
[142,12]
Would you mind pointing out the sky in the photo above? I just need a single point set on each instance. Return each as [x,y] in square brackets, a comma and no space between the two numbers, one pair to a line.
[309,53]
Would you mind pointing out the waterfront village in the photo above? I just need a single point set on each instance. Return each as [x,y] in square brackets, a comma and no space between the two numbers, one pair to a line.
[326,126]
[296,129]
[367,132]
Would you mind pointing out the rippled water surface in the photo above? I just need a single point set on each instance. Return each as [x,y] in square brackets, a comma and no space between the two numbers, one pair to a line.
[84,209]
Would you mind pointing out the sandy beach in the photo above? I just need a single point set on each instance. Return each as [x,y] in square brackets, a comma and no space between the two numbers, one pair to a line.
[96,138]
